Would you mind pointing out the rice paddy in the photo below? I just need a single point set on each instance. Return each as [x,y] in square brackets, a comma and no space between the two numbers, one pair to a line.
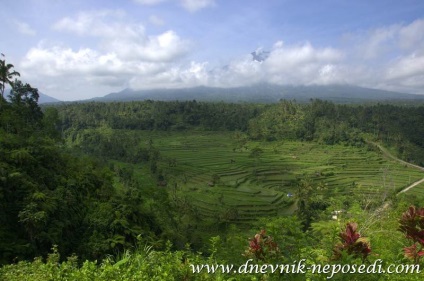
[223,179]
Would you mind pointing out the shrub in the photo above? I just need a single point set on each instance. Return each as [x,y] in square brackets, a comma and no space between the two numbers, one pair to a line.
[412,225]
[352,243]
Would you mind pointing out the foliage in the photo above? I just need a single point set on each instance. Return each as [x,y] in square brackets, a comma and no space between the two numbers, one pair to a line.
[262,247]
[412,225]
[146,263]
[311,202]
[328,123]
[49,196]
[6,75]
[320,121]
[157,115]
[352,243]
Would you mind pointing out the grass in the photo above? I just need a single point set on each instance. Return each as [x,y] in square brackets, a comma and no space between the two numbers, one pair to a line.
[417,191]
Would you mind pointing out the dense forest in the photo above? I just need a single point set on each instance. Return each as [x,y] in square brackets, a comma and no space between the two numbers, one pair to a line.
[81,189]
[50,196]
[322,121]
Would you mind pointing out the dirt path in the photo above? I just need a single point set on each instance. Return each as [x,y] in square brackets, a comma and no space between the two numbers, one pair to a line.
[411,186]
[388,154]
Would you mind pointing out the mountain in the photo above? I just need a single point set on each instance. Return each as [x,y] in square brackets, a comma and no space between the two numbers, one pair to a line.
[46,99]
[264,92]
[257,93]
[43,98]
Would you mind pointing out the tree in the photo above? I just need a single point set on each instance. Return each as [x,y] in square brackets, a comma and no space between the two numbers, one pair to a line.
[6,74]
[310,202]
[256,153]
[24,105]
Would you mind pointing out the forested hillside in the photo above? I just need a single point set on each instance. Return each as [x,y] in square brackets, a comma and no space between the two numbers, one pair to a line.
[51,196]
[322,121]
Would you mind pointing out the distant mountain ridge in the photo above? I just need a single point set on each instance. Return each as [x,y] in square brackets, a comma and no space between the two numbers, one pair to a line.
[46,99]
[267,93]
[43,98]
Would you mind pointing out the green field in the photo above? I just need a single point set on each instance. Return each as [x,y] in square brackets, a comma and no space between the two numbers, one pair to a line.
[246,187]
[417,191]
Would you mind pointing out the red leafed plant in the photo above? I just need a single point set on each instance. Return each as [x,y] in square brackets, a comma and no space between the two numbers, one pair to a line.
[261,247]
[352,243]
[412,224]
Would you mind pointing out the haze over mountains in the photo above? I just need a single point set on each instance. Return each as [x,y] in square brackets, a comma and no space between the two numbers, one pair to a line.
[43,98]
[46,99]
[263,92]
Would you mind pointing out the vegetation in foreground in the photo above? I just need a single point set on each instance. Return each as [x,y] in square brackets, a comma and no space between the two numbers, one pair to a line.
[373,239]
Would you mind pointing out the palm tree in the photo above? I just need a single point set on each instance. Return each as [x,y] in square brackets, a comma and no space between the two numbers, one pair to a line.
[6,74]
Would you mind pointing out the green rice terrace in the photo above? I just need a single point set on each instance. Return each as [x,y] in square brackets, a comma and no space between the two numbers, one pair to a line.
[417,191]
[220,177]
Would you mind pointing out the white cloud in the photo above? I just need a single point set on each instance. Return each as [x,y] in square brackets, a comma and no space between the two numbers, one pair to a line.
[412,35]
[58,61]
[189,5]
[121,53]
[278,45]
[387,42]
[85,63]
[124,54]
[244,71]
[407,71]
[291,56]
[149,2]
[165,47]
[155,20]
[53,67]
[195,5]
[168,78]
[302,64]
[196,74]
[388,57]
[127,41]
[378,42]
[103,24]
[328,74]
[25,28]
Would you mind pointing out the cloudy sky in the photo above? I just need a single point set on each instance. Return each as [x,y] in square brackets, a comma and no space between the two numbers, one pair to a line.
[86,48]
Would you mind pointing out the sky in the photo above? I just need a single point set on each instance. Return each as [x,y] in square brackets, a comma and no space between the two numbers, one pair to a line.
[80,49]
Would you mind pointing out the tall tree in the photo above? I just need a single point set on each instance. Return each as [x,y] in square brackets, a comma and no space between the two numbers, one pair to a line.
[6,74]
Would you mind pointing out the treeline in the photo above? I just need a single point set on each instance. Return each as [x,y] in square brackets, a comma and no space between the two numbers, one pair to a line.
[158,115]
[322,121]
[326,122]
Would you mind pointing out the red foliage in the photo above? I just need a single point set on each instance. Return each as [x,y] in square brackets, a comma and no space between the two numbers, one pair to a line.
[352,243]
[413,253]
[412,224]
[261,247]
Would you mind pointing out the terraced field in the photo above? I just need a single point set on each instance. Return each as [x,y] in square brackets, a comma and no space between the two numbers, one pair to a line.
[417,191]
[221,179]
